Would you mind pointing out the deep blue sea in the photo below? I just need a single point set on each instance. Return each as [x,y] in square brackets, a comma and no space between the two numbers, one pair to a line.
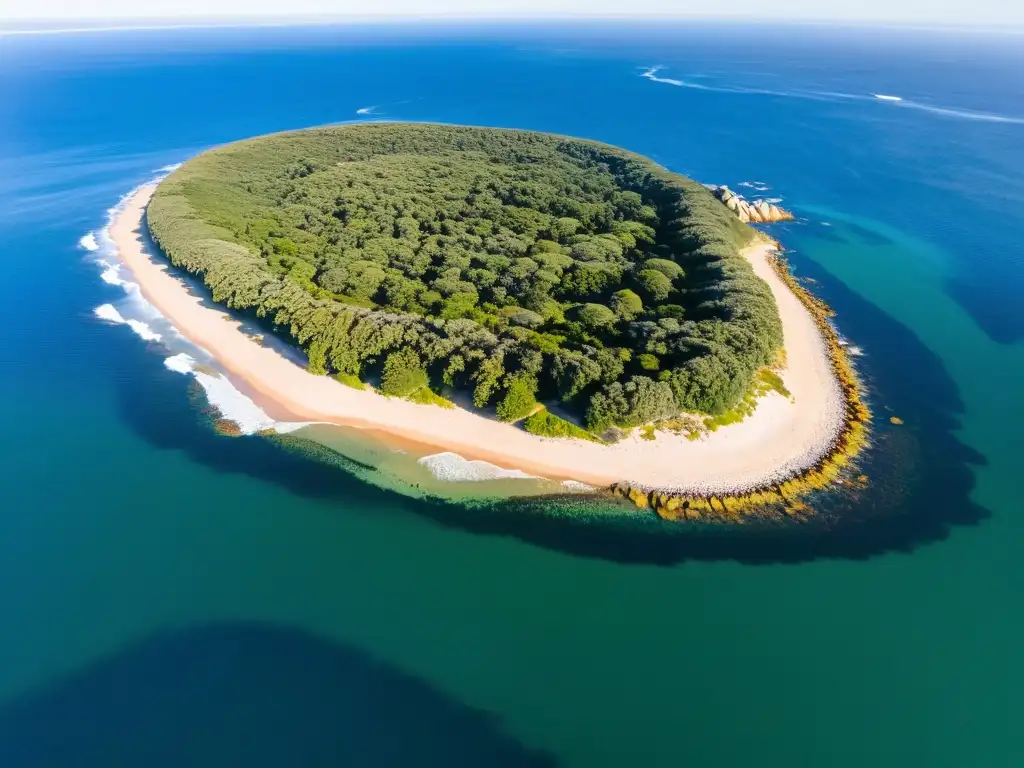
[172,597]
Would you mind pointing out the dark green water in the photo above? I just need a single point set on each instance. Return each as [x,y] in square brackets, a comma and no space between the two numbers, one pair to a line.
[172,597]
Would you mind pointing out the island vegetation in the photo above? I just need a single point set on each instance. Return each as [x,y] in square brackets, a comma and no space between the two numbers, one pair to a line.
[517,267]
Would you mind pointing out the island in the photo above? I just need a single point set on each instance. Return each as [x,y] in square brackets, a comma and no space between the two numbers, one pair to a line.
[545,303]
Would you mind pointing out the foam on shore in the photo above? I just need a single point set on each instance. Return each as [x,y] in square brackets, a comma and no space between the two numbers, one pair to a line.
[451,467]
[227,399]
[783,436]
[139,315]
[109,313]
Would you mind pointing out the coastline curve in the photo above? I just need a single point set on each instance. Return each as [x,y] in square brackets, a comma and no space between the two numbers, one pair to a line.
[784,448]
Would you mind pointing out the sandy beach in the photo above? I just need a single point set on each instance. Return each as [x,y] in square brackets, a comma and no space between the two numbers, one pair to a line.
[781,437]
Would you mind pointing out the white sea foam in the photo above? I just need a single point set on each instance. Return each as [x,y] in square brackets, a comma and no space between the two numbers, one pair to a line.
[112,275]
[451,467]
[180,363]
[222,395]
[110,313]
[855,351]
[143,330]
[652,74]
[773,200]
[220,392]
[884,97]
[168,168]
[576,485]
[370,110]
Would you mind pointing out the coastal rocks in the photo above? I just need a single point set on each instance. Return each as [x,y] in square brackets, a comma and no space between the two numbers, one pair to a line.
[754,211]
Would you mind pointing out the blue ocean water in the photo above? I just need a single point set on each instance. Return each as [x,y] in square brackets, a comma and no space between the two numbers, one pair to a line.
[174,597]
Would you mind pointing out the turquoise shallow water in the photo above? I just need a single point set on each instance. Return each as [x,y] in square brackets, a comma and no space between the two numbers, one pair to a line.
[173,597]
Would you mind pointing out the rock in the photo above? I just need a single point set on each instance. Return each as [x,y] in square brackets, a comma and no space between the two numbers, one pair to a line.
[755,211]
[638,497]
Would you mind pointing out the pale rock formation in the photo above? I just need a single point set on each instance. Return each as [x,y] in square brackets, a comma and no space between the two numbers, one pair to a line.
[755,211]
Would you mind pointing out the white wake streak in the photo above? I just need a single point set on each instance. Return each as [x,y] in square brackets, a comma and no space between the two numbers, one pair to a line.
[651,73]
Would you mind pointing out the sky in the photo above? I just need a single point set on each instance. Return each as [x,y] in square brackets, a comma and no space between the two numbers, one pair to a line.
[917,12]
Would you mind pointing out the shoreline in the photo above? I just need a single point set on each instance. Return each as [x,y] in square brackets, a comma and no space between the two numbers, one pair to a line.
[782,439]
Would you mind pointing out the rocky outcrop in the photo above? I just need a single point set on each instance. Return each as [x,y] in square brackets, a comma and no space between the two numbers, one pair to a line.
[755,211]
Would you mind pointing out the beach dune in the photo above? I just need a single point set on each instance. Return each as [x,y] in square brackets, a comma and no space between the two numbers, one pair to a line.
[781,437]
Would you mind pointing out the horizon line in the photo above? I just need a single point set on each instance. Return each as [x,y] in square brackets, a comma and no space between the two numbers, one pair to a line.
[234,21]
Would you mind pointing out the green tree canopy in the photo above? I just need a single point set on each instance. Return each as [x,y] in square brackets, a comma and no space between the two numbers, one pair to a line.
[403,373]
[485,258]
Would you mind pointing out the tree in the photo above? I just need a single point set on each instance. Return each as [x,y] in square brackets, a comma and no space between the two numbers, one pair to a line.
[403,373]
[639,400]
[655,285]
[519,399]
[476,249]
[626,304]
[669,269]
[648,362]
[596,316]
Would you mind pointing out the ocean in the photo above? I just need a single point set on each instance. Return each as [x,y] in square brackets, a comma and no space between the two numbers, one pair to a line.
[176,597]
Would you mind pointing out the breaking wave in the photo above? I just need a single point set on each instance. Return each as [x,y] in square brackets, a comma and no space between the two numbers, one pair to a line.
[109,313]
[454,468]
[88,242]
[370,110]
[139,315]
[112,275]
[222,395]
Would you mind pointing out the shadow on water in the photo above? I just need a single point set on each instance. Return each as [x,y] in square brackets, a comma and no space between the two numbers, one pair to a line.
[995,309]
[921,476]
[249,695]
[920,486]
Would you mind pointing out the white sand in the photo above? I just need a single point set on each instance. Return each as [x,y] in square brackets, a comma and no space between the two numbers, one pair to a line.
[781,436]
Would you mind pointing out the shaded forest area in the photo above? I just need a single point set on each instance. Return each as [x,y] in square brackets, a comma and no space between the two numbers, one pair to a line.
[513,264]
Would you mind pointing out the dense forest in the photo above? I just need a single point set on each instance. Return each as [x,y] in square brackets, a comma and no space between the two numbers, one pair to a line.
[516,265]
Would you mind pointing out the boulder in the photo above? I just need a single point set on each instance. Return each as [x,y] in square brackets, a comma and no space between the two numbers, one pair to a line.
[638,497]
